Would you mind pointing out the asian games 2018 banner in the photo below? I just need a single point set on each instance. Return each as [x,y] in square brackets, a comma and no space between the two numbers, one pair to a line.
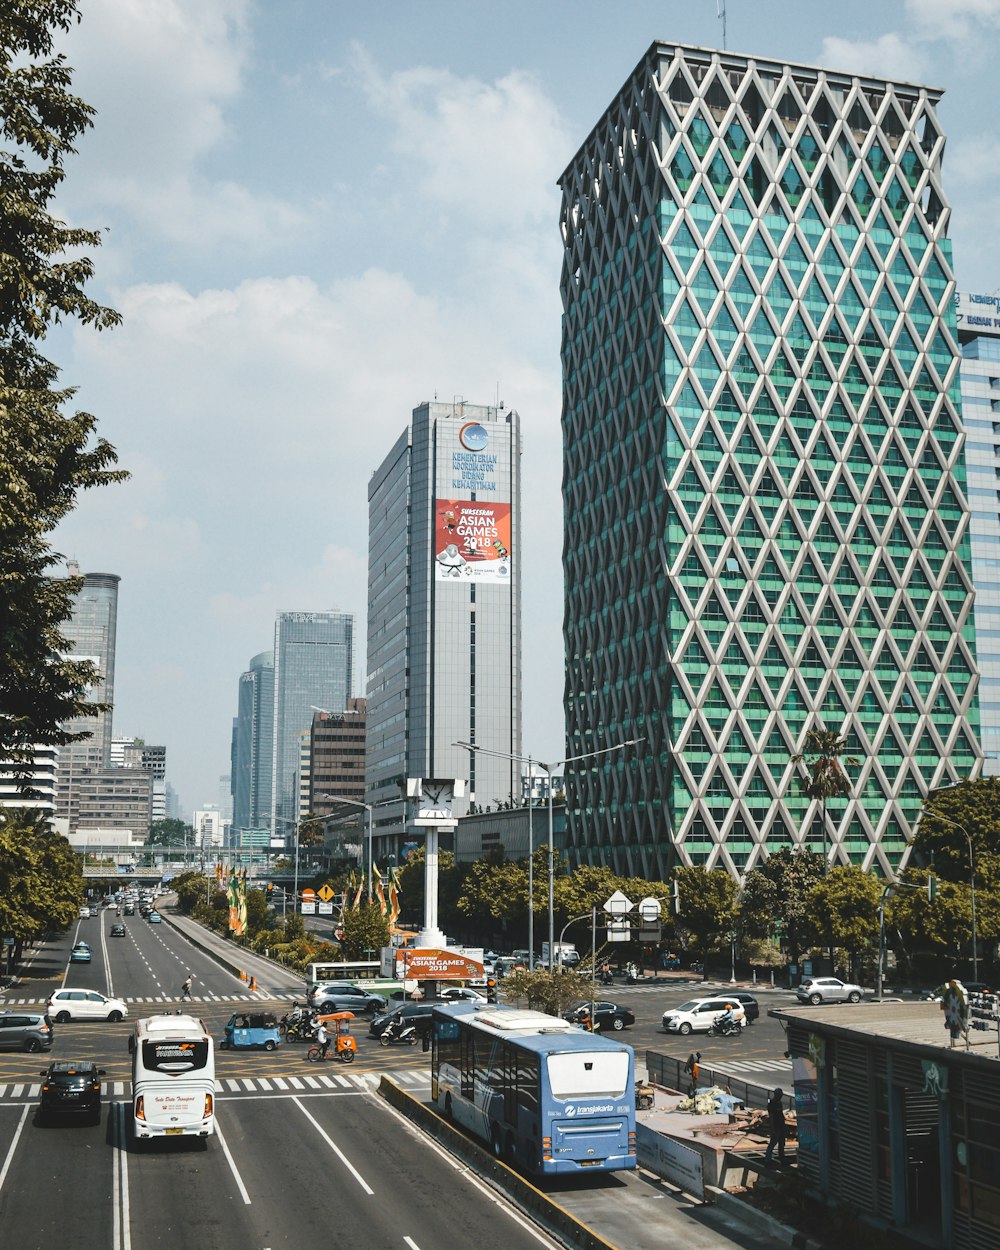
[471,541]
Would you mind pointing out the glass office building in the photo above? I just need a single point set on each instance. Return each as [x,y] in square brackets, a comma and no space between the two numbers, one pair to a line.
[766,518]
[979,335]
[253,745]
[313,667]
[444,610]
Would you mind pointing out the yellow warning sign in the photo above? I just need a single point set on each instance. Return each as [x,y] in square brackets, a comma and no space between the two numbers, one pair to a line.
[325,893]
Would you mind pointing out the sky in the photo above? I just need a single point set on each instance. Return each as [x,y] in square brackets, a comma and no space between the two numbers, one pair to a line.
[317,215]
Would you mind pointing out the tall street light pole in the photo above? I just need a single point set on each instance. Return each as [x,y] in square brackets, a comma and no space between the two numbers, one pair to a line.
[340,798]
[550,768]
[972,885]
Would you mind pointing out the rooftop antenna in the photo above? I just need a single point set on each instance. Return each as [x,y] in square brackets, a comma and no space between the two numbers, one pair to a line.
[720,11]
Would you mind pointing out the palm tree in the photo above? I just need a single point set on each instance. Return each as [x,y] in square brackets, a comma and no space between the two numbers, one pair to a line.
[825,758]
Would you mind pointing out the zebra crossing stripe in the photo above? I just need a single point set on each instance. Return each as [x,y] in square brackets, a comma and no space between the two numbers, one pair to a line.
[280,1082]
[264,1082]
[16,1091]
[312,1082]
[119,1088]
[327,1082]
[234,1085]
[295,1082]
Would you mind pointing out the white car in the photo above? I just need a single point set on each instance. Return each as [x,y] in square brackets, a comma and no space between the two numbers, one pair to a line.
[66,1005]
[462,994]
[818,990]
[699,1014]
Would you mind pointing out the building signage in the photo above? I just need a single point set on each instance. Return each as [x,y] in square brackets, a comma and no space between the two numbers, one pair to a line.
[471,541]
[977,311]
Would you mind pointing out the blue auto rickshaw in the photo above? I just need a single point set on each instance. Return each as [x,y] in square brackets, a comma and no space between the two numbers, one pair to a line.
[252,1028]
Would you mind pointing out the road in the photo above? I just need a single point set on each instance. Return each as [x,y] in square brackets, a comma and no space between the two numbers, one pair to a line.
[303,1152]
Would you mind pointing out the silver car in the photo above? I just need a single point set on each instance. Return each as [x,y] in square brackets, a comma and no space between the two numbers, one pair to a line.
[816,990]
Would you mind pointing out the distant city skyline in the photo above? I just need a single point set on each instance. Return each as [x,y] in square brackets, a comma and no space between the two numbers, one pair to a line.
[316,216]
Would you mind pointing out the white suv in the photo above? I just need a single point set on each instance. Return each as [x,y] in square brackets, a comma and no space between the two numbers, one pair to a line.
[818,990]
[65,1005]
[699,1014]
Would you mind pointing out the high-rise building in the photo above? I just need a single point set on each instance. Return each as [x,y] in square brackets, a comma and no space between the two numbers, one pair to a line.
[444,608]
[336,758]
[210,827]
[766,526]
[91,632]
[313,666]
[137,753]
[32,786]
[253,745]
[978,319]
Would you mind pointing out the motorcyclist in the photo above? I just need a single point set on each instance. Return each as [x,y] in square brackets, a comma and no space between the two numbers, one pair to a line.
[727,1021]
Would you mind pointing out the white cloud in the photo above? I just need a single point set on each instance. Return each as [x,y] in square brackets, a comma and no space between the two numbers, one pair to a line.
[888,56]
[975,159]
[953,19]
[487,153]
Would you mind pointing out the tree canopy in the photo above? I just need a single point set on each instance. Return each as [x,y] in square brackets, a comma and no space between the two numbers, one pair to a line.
[41,883]
[778,893]
[971,808]
[47,456]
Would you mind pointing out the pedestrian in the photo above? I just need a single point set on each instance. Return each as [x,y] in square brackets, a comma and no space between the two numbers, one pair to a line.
[186,987]
[690,1066]
[776,1124]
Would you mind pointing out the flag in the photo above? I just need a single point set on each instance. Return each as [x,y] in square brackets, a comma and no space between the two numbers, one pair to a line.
[379,889]
[243,903]
[356,905]
[393,897]
[234,906]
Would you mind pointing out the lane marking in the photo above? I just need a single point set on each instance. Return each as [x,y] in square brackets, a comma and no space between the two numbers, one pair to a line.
[411,1243]
[104,953]
[122,1223]
[13,1145]
[336,1149]
[232,1164]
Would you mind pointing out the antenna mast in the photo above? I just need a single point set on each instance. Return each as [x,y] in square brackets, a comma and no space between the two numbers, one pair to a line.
[720,10]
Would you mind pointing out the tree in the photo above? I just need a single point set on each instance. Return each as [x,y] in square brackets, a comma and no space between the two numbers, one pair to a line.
[776,897]
[971,808]
[46,456]
[707,906]
[826,777]
[41,884]
[548,991]
[849,897]
[170,832]
[365,932]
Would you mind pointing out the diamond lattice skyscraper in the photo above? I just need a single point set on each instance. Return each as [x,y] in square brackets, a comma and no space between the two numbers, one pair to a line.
[766,525]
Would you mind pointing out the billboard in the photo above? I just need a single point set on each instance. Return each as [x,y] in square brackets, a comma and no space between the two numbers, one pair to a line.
[471,541]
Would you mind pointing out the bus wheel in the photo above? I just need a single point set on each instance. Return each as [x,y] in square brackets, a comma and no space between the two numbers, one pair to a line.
[449,1110]
[496,1144]
[510,1152]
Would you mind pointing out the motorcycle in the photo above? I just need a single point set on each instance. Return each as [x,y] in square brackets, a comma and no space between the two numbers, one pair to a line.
[398,1030]
[297,1027]
[724,1028]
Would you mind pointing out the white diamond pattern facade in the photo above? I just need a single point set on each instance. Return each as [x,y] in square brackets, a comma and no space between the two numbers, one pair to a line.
[766,523]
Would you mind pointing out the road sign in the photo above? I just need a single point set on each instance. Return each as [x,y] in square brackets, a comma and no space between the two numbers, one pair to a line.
[618,904]
[308,895]
[325,893]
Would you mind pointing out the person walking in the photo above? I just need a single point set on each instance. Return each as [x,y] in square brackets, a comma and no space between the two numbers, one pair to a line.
[776,1124]
[186,987]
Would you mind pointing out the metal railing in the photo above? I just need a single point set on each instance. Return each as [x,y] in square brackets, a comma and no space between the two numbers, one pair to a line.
[665,1070]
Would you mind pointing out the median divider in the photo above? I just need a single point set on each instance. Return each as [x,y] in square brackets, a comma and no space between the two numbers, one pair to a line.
[547,1213]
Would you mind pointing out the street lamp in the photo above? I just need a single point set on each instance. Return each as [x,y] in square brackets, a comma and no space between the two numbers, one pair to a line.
[972,885]
[550,769]
[339,798]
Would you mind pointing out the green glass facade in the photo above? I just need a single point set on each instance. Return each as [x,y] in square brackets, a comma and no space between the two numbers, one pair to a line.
[766,523]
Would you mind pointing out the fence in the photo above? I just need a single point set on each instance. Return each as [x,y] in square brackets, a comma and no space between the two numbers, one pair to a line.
[667,1071]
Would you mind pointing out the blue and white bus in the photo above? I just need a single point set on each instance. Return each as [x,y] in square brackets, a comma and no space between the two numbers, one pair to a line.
[547,1097]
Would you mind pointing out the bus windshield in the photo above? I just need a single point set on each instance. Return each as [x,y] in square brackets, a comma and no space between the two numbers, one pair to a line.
[588,1075]
[173,1057]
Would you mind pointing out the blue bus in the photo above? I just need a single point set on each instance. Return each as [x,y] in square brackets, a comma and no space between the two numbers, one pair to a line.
[545,1096]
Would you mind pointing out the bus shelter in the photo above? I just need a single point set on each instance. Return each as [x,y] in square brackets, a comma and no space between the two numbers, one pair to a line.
[898,1120]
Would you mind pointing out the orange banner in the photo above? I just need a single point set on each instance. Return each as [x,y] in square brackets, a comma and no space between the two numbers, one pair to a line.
[429,964]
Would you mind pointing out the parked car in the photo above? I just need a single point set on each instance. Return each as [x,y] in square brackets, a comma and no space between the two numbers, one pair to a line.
[25,1030]
[80,954]
[697,1015]
[117,930]
[65,1005]
[71,1087]
[456,994]
[606,1015]
[751,1007]
[816,990]
[328,997]
[417,1014]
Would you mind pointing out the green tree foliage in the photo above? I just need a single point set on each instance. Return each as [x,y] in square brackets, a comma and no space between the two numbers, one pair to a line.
[708,907]
[46,456]
[365,932]
[551,992]
[170,832]
[41,884]
[777,894]
[973,808]
[411,897]
[848,897]
[191,889]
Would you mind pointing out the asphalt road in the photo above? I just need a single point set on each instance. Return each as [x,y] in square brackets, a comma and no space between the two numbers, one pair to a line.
[304,1152]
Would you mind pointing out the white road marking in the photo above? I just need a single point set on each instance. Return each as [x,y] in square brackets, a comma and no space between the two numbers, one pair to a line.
[232,1164]
[13,1146]
[122,1223]
[336,1150]
[411,1243]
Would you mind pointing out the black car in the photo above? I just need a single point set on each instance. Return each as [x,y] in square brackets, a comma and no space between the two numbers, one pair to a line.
[417,1014]
[71,1088]
[607,1015]
[117,930]
[751,1007]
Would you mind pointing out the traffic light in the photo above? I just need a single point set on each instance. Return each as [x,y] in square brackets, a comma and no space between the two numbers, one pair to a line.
[491,989]
[932,884]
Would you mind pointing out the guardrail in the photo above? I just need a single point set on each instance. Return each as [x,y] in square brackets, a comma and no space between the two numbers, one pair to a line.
[667,1071]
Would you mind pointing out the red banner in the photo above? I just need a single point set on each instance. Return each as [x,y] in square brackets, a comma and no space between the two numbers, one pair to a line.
[471,541]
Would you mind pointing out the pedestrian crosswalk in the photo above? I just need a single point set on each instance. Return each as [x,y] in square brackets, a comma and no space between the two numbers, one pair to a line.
[233,1087]
[756,1065]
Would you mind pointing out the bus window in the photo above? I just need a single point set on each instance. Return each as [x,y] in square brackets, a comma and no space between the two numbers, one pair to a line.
[586,1074]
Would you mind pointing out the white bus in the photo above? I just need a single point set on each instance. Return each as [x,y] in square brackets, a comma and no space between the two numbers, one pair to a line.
[173,1078]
